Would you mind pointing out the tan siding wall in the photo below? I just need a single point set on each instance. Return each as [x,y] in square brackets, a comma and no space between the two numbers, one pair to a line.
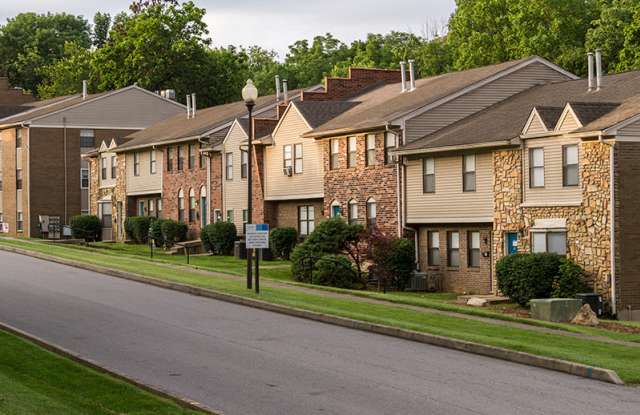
[479,99]
[235,190]
[128,109]
[568,123]
[449,203]
[631,129]
[145,182]
[553,192]
[536,126]
[299,186]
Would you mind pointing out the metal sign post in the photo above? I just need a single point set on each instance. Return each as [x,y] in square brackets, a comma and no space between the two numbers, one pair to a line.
[257,238]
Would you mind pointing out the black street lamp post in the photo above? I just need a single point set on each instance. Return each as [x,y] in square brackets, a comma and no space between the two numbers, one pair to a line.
[249,95]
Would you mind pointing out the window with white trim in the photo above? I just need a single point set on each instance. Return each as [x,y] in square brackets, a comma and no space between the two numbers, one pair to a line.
[469,173]
[306,219]
[336,209]
[87,139]
[570,165]
[181,205]
[536,167]
[84,178]
[103,168]
[287,157]
[19,221]
[372,212]
[552,241]
[244,164]
[153,163]
[228,173]
[114,166]
[473,249]
[192,205]
[371,149]
[389,144]
[334,153]
[136,164]
[353,211]
[297,156]
[428,175]
[352,151]
[433,248]
[453,249]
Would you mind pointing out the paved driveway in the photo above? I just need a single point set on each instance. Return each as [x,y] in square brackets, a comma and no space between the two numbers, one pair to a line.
[243,361]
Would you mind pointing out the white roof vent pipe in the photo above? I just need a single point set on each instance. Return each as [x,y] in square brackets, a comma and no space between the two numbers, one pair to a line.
[84,89]
[193,105]
[188,106]
[598,69]
[277,88]
[592,76]
[285,88]
[412,75]
[403,75]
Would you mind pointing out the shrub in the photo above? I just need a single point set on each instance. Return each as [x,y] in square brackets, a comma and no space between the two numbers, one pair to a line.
[393,259]
[87,227]
[137,228]
[569,281]
[155,230]
[173,232]
[219,237]
[335,271]
[282,241]
[330,235]
[303,261]
[526,276]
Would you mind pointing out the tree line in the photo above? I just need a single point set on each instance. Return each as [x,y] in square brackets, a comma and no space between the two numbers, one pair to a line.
[165,44]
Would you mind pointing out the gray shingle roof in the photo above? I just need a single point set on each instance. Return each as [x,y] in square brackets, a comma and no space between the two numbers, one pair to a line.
[549,115]
[588,112]
[319,112]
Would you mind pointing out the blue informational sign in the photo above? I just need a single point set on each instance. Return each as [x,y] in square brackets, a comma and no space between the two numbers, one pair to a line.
[257,235]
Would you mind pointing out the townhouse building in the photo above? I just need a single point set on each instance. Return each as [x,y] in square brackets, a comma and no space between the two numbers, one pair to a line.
[548,170]
[44,179]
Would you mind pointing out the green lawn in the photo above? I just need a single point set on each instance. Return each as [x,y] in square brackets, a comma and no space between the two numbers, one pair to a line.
[623,359]
[34,381]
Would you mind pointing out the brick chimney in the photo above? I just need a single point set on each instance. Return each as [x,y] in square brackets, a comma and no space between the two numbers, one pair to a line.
[12,96]
[358,80]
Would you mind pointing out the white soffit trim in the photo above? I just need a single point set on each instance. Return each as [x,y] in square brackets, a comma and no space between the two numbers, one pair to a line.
[295,197]
[613,130]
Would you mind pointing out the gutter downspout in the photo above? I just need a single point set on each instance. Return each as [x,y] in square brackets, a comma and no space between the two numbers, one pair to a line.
[66,185]
[612,234]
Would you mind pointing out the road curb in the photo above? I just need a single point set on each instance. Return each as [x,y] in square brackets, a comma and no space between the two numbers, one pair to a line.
[59,350]
[577,369]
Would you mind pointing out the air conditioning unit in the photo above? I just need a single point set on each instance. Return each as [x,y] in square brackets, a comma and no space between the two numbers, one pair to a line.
[288,171]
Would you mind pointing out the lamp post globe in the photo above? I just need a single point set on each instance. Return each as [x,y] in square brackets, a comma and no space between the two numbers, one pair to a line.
[249,92]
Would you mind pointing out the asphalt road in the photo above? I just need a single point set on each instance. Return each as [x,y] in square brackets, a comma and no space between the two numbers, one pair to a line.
[243,361]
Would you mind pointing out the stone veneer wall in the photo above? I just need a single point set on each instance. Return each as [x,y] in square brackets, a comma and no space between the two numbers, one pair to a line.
[588,226]
[362,182]
[117,193]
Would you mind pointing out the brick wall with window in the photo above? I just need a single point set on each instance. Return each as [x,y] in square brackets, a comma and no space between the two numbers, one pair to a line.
[369,179]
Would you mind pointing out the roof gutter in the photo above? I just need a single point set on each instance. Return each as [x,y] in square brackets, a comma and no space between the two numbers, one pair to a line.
[347,131]
[491,144]
[158,143]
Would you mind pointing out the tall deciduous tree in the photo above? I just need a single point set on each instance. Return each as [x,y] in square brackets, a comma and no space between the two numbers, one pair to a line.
[65,76]
[101,25]
[30,41]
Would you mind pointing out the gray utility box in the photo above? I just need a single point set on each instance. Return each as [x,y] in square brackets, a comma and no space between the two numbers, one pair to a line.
[594,300]
[559,310]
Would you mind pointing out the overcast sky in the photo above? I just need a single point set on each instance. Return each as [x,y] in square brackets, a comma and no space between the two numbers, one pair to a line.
[275,24]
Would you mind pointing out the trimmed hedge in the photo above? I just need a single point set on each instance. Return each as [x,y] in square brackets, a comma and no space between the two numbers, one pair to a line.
[523,277]
[219,238]
[137,228]
[87,227]
[282,242]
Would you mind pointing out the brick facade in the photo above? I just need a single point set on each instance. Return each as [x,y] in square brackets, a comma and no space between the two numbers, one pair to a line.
[358,79]
[463,278]
[361,182]
[284,214]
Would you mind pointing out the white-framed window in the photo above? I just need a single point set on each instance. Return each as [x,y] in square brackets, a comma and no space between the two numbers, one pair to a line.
[428,175]
[352,151]
[87,139]
[245,216]
[334,153]
[372,212]
[136,164]
[570,163]
[469,173]
[453,249]
[217,215]
[192,205]
[229,215]
[371,149]
[181,205]
[84,178]
[180,158]
[153,163]
[192,155]
[353,211]
[19,221]
[389,144]
[433,248]
[228,166]
[297,155]
[287,157]
[244,164]
[549,241]
[103,168]
[114,166]
[336,209]
[473,249]
[306,219]
[536,167]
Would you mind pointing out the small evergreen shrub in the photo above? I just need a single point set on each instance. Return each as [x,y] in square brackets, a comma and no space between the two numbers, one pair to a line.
[172,232]
[303,261]
[282,242]
[335,271]
[331,235]
[569,281]
[87,227]
[219,238]
[523,277]
[393,259]
[155,230]
[137,228]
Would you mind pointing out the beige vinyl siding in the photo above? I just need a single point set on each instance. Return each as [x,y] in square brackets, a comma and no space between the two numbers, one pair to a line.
[145,183]
[130,108]
[235,190]
[553,192]
[568,122]
[109,182]
[449,203]
[536,126]
[308,184]
[483,97]
[632,129]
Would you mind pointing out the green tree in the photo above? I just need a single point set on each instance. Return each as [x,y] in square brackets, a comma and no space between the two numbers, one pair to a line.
[101,25]
[29,41]
[65,76]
